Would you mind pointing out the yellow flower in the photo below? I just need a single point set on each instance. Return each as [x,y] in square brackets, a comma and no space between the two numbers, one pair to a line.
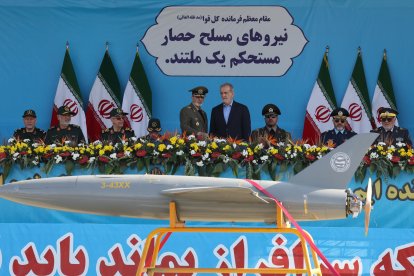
[273,151]
[161,147]
[194,146]
[208,151]
[214,145]
[226,148]
[249,151]
[137,146]
[173,140]
[101,152]
[151,145]
[181,141]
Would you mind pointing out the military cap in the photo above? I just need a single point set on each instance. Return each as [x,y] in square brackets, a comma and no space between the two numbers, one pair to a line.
[154,124]
[199,91]
[387,112]
[271,109]
[29,113]
[65,110]
[340,112]
[117,112]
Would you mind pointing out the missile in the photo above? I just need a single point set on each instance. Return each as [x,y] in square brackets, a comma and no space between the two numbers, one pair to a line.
[316,193]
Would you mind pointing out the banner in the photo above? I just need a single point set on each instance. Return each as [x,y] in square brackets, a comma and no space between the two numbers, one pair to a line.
[224,41]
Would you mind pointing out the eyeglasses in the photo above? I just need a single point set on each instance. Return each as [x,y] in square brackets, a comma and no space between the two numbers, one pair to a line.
[387,119]
[270,116]
[339,120]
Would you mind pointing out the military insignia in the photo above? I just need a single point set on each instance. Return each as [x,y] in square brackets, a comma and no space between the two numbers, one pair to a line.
[154,124]
[270,109]
[197,123]
[340,113]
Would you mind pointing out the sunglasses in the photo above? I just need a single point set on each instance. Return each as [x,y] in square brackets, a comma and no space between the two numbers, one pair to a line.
[118,118]
[387,119]
[199,97]
[339,120]
[270,116]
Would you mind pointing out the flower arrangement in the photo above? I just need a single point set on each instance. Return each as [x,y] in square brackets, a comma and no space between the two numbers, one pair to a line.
[209,157]
[386,160]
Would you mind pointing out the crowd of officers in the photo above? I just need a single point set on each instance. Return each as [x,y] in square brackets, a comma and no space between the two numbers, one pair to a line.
[228,119]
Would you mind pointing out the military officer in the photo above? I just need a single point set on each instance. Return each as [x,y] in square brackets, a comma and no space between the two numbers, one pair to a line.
[117,132]
[193,120]
[65,131]
[389,132]
[271,114]
[154,129]
[29,131]
[339,133]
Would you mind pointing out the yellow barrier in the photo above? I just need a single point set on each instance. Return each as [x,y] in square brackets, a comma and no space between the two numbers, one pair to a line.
[177,226]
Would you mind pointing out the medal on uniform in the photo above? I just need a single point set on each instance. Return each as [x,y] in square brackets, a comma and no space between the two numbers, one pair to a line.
[197,123]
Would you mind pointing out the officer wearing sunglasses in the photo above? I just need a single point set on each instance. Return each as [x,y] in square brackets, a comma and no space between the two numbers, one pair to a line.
[117,132]
[154,130]
[271,130]
[389,132]
[339,133]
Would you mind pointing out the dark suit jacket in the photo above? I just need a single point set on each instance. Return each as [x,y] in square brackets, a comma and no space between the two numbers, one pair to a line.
[238,125]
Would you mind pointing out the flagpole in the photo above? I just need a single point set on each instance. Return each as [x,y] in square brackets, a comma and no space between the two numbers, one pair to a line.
[385,54]
[67,45]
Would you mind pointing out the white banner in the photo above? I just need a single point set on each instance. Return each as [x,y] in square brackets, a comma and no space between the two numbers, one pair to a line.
[224,41]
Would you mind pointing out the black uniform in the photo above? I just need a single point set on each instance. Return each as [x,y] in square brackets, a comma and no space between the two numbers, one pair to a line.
[280,134]
[110,135]
[397,134]
[72,133]
[336,138]
[36,135]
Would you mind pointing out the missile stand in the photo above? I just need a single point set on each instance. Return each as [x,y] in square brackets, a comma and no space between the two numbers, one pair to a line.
[177,226]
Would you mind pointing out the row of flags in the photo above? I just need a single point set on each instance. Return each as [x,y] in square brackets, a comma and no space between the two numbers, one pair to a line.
[104,96]
[363,115]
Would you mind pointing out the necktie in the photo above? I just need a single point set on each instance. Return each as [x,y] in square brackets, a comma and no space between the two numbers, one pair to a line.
[272,133]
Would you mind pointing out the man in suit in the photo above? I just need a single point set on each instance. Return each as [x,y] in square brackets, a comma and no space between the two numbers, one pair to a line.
[338,134]
[193,120]
[389,132]
[230,118]
[271,130]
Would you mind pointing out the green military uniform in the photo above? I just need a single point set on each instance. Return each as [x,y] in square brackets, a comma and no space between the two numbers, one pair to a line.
[36,135]
[72,133]
[112,136]
[280,134]
[193,120]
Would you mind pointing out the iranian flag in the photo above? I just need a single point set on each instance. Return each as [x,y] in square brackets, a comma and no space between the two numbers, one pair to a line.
[384,93]
[321,103]
[356,100]
[68,93]
[105,95]
[138,98]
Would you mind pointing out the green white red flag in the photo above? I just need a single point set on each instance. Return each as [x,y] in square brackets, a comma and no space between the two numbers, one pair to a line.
[356,100]
[68,93]
[137,99]
[104,96]
[383,93]
[321,103]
